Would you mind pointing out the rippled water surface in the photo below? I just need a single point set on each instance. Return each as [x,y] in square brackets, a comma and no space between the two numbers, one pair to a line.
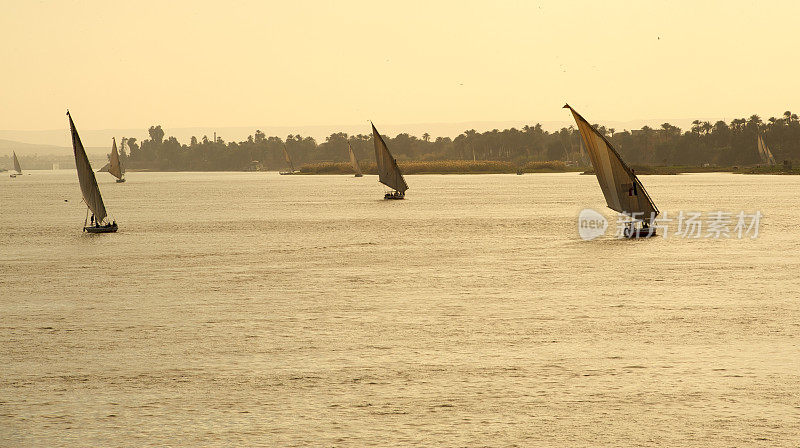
[257,309]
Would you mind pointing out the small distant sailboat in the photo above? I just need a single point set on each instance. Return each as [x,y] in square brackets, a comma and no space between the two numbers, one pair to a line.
[388,172]
[289,161]
[354,161]
[764,152]
[16,165]
[114,166]
[89,190]
[623,191]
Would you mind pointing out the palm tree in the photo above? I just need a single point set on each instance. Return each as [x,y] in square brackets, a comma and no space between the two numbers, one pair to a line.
[738,124]
[754,122]
[670,130]
[426,137]
[696,127]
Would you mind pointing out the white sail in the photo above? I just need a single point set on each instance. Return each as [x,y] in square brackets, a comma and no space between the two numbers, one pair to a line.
[89,190]
[769,155]
[353,159]
[388,172]
[760,146]
[288,159]
[623,191]
[16,163]
[114,167]
[764,152]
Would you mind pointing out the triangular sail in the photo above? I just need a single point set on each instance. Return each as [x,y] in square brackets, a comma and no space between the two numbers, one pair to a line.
[114,167]
[89,190]
[388,172]
[623,191]
[583,151]
[122,149]
[770,159]
[17,168]
[764,152]
[760,146]
[353,159]
[288,159]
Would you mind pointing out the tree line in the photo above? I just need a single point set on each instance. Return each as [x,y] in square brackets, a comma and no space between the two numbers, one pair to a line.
[720,143]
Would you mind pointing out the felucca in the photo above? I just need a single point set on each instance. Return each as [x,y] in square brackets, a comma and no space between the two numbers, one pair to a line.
[764,152]
[354,161]
[89,190]
[115,167]
[289,161]
[388,172]
[623,191]
[16,165]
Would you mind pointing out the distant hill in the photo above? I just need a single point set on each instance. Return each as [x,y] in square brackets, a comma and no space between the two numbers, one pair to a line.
[6,146]
[43,150]
[42,157]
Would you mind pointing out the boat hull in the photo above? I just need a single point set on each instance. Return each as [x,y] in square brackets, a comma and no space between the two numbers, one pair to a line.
[288,173]
[640,233]
[394,196]
[359,175]
[119,181]
[101,229]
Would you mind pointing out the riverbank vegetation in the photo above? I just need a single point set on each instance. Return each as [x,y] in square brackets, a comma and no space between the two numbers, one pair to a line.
[703,147]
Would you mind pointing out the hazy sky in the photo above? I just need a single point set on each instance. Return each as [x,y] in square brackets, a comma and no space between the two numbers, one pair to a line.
[197,63]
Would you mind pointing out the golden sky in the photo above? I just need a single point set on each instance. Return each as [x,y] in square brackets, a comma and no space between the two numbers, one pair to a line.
[202,63]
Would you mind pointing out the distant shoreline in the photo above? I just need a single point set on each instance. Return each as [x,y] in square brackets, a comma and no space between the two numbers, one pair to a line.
[495,167]
[482,167]
[445,167]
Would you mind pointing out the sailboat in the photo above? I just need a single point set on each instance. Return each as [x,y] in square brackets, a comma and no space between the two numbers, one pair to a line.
[764,152]
[289,161]
[89,190]
[623,191]
[388,172]
[583,161]
[354,161]
[16,165]
[115,168]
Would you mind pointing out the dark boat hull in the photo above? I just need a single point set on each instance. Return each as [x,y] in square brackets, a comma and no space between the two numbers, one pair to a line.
[359,175]
[640,233]
[101,229]
[393,196]
[119,181]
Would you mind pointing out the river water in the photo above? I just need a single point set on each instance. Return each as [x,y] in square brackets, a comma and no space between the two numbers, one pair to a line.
[256,309]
